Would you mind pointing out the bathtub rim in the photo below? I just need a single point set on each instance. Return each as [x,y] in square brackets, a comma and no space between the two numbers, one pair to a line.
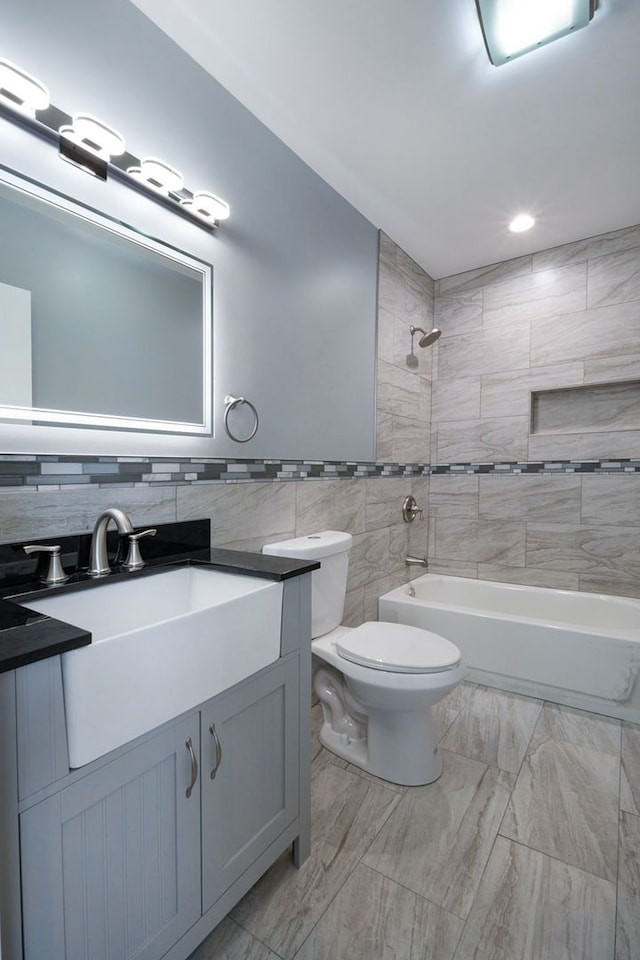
[401,595]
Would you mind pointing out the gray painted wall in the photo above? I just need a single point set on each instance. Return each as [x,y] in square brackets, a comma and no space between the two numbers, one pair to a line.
[295,266]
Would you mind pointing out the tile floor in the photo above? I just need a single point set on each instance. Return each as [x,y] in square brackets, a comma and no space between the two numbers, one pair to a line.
[527,848]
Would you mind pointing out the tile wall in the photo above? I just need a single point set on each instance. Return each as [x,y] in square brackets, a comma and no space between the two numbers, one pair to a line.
[557,319]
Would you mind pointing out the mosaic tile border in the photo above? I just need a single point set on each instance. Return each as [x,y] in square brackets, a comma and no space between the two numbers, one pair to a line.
[47,472]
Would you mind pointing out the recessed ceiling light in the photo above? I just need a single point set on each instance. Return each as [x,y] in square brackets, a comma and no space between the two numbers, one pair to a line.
[521,223]
[514,27]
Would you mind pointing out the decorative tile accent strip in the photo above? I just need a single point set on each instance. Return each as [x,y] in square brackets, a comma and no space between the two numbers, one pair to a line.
[32,472]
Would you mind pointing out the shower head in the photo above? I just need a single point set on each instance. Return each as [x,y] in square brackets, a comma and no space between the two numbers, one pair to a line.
[427,339]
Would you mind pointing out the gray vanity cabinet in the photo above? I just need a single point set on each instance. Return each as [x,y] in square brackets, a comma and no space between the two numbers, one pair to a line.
[250,741]
[110,864]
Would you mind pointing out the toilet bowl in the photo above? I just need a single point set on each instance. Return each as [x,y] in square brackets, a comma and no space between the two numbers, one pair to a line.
[376,682]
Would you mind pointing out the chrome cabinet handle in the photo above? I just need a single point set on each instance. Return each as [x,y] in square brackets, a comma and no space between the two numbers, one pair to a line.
[216,740]
[194,767]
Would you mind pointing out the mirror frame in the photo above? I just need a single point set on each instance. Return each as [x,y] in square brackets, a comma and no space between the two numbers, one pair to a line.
[86,434]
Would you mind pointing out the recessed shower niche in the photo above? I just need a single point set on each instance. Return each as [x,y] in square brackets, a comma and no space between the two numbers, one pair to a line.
[591,408]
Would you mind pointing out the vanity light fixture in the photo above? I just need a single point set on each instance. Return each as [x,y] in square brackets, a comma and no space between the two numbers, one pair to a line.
[522,222]
[207,207]
[95,147]
[21,91]
[514,27]
[158,176]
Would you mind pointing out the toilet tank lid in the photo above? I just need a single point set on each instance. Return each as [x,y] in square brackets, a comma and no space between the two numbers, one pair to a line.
[323,544]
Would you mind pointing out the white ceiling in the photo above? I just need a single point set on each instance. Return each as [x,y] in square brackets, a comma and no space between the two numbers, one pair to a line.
[395,104]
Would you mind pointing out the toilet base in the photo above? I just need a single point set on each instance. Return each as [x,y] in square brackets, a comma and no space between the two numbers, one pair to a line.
[388,761]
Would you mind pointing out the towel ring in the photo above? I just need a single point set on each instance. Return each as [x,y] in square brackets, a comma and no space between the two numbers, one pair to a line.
[231,403]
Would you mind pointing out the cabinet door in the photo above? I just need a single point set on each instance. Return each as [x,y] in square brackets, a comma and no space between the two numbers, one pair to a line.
[249,774]
[111,864]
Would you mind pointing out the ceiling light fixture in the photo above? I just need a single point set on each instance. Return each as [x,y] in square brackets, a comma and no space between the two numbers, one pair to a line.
[514,27]
[522,222]
[97,148]
[22,91]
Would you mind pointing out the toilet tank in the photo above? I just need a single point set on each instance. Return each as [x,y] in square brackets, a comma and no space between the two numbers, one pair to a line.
[329,583]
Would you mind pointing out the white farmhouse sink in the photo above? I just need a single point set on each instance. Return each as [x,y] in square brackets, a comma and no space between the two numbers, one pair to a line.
[161,644]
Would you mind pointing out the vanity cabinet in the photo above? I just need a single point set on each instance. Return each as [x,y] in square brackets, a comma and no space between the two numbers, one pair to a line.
[122,862]
[110,862]
[114,860]
[249,776]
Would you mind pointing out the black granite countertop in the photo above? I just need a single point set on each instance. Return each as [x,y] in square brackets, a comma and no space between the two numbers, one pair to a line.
[26,637]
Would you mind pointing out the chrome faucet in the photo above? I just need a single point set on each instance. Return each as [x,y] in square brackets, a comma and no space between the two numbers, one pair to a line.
[416,561]
[98,559]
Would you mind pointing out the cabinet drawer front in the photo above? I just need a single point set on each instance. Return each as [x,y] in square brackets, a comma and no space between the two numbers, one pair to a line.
[254,794]
[111,864]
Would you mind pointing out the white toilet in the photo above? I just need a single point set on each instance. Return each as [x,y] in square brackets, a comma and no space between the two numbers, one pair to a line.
[377,682]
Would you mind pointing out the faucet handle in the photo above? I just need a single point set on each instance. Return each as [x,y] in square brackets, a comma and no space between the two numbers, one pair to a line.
[55,572]
[134,559]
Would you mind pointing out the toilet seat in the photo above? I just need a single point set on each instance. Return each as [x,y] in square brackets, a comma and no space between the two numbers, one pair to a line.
[397,648]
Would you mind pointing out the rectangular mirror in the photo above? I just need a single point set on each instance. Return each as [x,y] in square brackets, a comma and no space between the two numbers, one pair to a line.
[101,328]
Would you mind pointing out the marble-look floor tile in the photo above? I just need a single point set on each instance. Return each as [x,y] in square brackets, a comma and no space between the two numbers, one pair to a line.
[532,907]
[494,727]
[565,802]
[448,709]
[438,840]
[374,918]
[628,920]
[284,906]
[230,942]
[630,780]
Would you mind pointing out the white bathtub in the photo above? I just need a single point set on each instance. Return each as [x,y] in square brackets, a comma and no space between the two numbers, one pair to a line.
[579,649]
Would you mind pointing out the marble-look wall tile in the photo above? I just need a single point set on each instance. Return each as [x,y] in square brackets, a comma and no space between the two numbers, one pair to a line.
[614,278]
[612,368]
[243,515]
[414,272]
[375,917]
[588,249]
[383,501]
[483,441]
[454,497]
[595,549]
[386,335]
[619,584]
[456,400]
[479,541]
[402,393]
[628,922]
[473,355]
[529,576]
[472,279]
[410,440]
[458,315]
[537,296]
[401,295]
[329,505]
[384,437]
[531,906]
[25,516]
[551,809]
[438,839]
[354,608]
[630,781]
[530,497]
[597,333]
[512,391]
[453,568]
[596,445]
[611,499]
